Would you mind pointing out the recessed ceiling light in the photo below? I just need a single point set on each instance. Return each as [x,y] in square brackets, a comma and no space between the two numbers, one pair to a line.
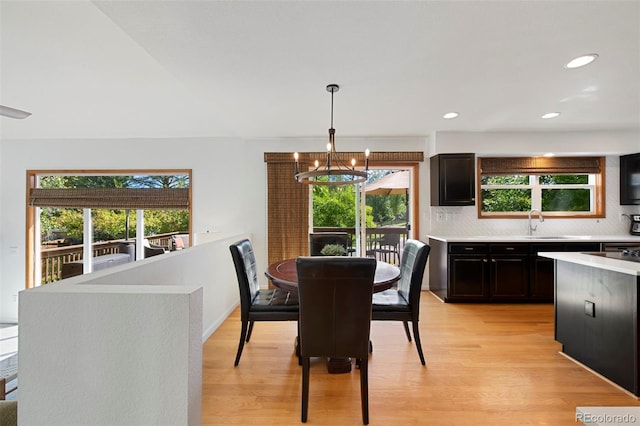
[549,154]
[550,115]
[581,61]
[450,115]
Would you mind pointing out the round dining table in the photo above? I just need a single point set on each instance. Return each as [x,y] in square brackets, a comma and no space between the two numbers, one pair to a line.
[284,275]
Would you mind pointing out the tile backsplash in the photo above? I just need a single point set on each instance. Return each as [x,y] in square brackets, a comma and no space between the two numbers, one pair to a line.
[463,221]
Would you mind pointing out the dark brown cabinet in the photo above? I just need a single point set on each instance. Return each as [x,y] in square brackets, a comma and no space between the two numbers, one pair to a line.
[496,272]
[509,272]
[468,272]
[630,179]
[453,180]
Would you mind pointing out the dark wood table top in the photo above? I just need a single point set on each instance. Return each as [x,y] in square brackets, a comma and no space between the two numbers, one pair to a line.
[284,275]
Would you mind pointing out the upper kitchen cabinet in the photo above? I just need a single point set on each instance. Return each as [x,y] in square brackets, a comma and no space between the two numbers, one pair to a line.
[630,179]
[453,180]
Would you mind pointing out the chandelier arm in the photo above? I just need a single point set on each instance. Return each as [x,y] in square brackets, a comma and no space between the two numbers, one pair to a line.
[349,174]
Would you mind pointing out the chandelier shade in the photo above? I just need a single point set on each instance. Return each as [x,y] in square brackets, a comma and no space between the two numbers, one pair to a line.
[334,171]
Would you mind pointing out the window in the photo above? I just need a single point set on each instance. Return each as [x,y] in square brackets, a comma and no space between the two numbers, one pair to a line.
[74,216]
[559,187]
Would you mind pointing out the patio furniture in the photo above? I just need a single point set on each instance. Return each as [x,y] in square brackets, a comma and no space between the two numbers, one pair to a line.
[8,375]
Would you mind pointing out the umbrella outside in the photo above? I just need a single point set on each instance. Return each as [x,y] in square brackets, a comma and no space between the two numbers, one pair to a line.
[392,184]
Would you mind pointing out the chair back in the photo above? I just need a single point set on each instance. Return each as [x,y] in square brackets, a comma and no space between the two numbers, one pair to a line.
[392,240]
[335,305]
[245,264]
[317,240]
[412,265]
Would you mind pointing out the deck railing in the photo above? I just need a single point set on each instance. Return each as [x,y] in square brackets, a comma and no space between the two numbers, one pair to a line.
[384,243]
[52,259]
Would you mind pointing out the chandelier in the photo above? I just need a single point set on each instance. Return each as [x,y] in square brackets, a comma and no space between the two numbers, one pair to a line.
[334,171]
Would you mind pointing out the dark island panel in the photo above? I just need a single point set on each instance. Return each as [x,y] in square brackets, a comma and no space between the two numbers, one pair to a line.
[596,320]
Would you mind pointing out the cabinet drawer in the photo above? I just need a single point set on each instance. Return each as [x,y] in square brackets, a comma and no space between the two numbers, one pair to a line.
[509,248]
[469,248]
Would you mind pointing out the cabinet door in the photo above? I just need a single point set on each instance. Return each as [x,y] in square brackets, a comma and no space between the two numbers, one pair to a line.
[630,179]
[541,279]
[541,276]
[453,180]
[509,277]
[468,277]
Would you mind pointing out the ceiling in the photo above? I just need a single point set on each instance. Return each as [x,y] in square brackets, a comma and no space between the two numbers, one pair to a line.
[254,69]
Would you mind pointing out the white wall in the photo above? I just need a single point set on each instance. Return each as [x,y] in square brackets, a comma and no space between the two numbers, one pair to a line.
[460,221]
[124,345]
[229,178]
[229,184]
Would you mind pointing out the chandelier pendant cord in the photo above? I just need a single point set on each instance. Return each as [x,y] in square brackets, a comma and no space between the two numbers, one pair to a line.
[341,174]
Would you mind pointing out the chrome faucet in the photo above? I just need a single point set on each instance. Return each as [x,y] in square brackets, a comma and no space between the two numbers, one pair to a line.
[533,228]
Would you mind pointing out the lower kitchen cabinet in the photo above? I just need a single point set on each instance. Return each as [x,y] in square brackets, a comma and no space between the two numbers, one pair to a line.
[509,272]
[469,275]
[495,272]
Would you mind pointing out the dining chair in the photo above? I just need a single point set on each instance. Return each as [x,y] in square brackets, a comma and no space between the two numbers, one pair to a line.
[317,241]
[388,248]
[402,303]
[258,304]
[335,296]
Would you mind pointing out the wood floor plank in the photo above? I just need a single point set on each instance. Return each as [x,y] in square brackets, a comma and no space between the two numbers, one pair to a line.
[486,365]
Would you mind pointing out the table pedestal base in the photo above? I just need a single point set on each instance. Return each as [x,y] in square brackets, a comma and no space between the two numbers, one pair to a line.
[338,365]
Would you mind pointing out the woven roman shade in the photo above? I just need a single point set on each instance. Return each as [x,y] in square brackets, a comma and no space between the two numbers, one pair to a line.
[288,201]
[387,158]
[491,166]
[111,198]
[288,213]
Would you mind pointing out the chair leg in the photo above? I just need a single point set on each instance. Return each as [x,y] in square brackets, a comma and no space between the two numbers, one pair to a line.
[416,335]
[250,330]
[406,330]
[243,336]
[364,389]
[306,363]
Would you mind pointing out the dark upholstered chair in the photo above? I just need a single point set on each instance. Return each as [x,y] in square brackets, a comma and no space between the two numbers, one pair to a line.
[335,315]
[257,304]
[317,240]
[403,303]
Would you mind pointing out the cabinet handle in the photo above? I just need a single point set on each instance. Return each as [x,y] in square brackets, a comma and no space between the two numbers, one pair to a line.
[485,260]
[468,248]
[510,248]
[493,261]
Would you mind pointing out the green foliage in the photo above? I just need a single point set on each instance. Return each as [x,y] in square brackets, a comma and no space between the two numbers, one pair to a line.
[388,209]
[506,200]
[572,200]
[519,199]
[335,206]
[564,179]
[111,224]
[333,250]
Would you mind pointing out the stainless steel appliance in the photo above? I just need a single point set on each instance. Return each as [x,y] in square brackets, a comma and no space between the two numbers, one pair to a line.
[635,224]
[631,254]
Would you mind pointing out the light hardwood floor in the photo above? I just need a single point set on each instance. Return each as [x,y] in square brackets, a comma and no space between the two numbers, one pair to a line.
[486,365]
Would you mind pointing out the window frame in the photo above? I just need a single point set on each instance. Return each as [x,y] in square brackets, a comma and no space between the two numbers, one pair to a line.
[31,242]
[596,185]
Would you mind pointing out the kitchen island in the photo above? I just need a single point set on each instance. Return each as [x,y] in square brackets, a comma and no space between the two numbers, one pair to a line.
[596,314]
[504,268]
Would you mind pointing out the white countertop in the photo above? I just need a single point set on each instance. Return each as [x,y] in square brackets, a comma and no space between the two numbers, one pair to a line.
[538,238]
[623,266]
